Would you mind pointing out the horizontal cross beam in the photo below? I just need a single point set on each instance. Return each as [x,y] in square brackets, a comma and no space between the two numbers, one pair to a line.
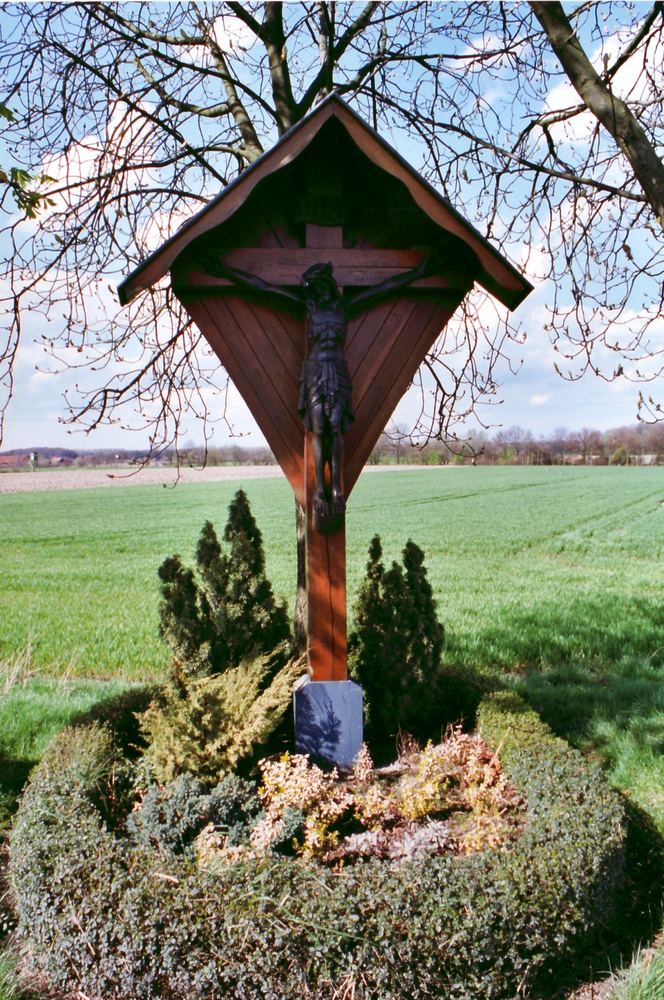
[360,267]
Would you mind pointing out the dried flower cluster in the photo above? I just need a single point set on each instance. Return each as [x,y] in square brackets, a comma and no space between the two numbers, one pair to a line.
[452,797]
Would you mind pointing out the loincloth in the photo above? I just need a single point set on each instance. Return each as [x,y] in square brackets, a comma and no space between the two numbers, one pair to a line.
[326,383]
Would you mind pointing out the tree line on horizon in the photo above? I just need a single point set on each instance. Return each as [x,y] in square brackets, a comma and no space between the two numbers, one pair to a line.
[638,444]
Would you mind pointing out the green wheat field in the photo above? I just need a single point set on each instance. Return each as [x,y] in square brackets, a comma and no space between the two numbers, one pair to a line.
[532,568]
[550,579]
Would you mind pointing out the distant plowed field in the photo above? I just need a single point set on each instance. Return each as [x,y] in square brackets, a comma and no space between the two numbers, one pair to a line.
[84,479]
[90,478]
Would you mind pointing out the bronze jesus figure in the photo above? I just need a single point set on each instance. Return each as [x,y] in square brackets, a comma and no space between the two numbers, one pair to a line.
[325,406]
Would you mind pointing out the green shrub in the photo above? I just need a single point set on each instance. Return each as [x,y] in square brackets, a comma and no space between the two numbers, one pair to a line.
[180,621]
[216,724]
[171,816]
[232,614]
[113,919]
[620,456]
[395,650]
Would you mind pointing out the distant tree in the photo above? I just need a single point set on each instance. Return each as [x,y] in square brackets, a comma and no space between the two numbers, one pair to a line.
[620,456]
[559,442]
[654,437]
[590,445]
[381,450]
[397,442]
[515,444]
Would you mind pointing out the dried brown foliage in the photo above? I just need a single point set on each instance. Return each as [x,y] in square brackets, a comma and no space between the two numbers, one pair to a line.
[449,798]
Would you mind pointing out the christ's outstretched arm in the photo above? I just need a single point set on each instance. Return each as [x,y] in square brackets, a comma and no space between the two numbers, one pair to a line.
[433,264]
[248,280]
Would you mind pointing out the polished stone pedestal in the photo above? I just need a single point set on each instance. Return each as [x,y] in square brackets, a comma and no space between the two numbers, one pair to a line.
[328,720]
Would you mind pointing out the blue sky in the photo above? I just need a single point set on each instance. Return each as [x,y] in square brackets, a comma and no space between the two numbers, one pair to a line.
[535,398]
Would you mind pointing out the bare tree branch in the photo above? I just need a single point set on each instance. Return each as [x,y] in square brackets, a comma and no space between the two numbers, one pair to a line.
[140,112]
[607,107]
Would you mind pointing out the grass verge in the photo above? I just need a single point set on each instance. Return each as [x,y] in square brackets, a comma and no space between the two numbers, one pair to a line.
[643,980]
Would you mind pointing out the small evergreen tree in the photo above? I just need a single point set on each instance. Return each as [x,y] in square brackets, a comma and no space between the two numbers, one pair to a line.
[232,614]
[369,610]
[180,621]
[243,534]
[395,650]
[426,633]
[214,570]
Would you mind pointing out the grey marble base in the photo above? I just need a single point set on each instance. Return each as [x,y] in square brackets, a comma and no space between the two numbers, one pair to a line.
[328,720]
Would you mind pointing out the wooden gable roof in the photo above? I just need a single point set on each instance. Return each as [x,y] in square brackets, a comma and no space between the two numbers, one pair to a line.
[493,271]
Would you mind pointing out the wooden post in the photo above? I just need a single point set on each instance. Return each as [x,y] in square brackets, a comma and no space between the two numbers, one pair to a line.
[326,592]
[326,552]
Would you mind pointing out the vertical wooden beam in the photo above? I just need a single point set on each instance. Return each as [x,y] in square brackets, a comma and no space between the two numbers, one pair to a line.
[324,237]
[326,553]
[326,592]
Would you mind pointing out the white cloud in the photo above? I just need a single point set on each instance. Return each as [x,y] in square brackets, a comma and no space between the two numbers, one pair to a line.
[152,233]
[629,83]
[535,262]
[231,34]
[540,398]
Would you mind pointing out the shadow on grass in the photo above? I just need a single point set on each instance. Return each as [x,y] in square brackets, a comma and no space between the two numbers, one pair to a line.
[13,776]
[45,718]
[121,712]
[602,630]
[617,715]
[637,917]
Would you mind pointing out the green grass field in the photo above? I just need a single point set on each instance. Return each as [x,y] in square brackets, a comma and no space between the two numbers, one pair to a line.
[547,579]
[531,567]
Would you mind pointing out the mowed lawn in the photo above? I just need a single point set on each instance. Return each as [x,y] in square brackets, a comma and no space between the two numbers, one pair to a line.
[550,579]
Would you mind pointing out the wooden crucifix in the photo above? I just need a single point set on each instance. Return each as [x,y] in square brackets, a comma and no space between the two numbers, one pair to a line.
[326,410]
[321,277]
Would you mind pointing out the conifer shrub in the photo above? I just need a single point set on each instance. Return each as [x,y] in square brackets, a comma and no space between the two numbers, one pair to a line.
[229,694]
[395,649]
[171,816]
[215,724]
[110,917]
[229,613]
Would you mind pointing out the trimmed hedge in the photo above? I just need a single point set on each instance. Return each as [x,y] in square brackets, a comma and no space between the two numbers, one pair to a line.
[115,919]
